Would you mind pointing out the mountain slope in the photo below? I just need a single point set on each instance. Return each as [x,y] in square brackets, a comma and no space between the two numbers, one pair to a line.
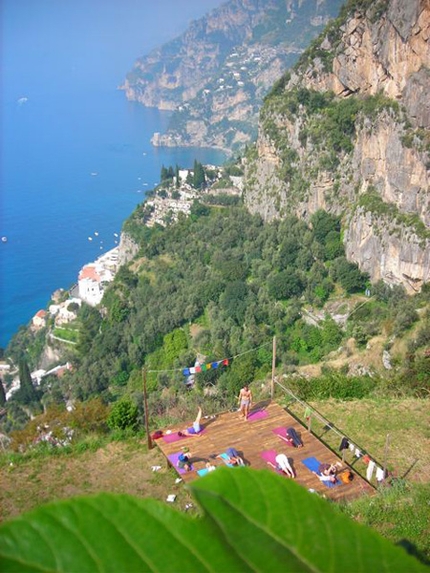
[348,131]
[215,75]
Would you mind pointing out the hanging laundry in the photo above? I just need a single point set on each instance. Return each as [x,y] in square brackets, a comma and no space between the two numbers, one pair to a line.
[308,413]
[380,474]
[351,447]
[344,444]
[366,459]
[357,453]
[186,372]
[369,471]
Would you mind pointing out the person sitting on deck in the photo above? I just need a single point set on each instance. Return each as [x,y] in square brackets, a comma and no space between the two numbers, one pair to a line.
[196,428]
[328,472]
[184,460]
[232,457]
[293,437]
[283,465]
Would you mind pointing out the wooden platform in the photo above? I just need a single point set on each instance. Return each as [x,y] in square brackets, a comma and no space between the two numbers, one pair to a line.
[253,437]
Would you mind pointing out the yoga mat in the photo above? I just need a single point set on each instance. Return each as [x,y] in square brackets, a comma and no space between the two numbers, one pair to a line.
[173,437]
[203,471]
[269,457]
[173,458]
[281,432]
[225,457]
[257,415]
[313,464]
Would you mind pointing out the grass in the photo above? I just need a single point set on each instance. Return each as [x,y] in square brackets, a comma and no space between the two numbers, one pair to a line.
[118,467]
[368,422]
[400,513]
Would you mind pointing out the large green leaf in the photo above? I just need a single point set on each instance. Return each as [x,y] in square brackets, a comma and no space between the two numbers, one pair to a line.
[252,521]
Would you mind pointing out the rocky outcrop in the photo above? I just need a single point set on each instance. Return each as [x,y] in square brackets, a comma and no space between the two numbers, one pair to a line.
[215,75]
[127,249]
[362,152]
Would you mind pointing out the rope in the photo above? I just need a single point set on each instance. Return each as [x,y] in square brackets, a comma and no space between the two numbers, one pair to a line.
[314,413]
[332,428]
[231,358]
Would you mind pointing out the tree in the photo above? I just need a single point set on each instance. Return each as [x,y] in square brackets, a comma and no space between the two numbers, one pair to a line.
[349,275]
[323,223]
[2,394]
[123,416]
[285,284]
[26,394]
[199,175]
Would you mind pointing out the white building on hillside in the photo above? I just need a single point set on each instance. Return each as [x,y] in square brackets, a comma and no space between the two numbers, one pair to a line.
[90,287]
[94,276]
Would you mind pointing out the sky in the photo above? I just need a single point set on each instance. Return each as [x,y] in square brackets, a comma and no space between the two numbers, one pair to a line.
[114,32]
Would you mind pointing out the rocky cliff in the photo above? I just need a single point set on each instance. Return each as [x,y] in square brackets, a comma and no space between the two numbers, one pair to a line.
[348,131]
[216,74]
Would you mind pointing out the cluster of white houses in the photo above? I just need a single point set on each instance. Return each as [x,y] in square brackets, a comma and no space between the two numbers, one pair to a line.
[94,277]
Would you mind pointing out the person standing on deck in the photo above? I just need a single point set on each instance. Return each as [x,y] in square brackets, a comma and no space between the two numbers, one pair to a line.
[245,401]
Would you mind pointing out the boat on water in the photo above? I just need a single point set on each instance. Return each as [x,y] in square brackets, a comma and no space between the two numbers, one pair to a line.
[4,239]
[22,100]
[94,173]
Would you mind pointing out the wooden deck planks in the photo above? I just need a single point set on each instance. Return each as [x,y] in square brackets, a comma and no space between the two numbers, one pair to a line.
[252,437]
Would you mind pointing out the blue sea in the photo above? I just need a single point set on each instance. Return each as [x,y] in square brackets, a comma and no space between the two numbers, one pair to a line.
[76,157]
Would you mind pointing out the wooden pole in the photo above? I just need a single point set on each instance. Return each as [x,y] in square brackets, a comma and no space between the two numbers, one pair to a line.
[145,405]
[387,445]
[272,385]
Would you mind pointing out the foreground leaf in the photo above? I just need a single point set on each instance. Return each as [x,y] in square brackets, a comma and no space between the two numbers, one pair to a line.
[252,521]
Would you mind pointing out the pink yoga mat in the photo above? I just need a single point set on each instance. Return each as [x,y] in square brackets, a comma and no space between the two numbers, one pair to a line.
[173,437]
[257,415]
[269,456]
[281,432]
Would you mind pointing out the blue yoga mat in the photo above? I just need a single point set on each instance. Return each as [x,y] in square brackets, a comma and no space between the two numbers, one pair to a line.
[225,457]
[313,464]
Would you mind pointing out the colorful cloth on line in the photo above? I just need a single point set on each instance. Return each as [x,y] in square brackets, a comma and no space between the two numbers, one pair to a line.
[205,367]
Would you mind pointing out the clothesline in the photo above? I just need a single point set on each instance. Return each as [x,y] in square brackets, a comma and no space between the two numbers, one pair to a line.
[314,413]
[373,465]
[223,360]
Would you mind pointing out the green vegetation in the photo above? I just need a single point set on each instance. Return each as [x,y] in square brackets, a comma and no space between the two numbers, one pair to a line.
[400,513]
[330,123]
[371,201]
[236,526]
[70,334]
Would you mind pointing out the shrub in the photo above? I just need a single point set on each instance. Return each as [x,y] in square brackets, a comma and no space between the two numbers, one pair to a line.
[332,385]
[123,415]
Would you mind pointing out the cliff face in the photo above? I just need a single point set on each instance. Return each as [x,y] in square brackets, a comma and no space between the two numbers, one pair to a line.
[216,74]
[348,131]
